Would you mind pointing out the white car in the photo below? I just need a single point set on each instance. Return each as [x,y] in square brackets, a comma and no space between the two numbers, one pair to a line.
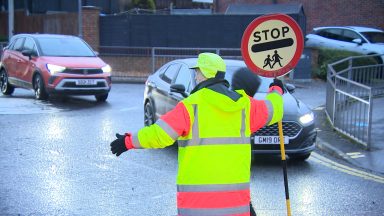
[368,41]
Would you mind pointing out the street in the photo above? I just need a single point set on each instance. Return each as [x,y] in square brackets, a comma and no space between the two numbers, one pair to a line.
[55,159]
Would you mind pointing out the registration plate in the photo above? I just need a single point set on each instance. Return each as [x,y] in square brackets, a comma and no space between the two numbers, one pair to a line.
[269,140]
[86,82]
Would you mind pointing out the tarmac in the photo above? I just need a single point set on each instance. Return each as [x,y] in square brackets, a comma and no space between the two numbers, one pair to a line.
[313,93]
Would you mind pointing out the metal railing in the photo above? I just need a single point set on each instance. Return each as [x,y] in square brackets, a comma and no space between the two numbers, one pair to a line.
[142,61]
[162,55]
[349,98]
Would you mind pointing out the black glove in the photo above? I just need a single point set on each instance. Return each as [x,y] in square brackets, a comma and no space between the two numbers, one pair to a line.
[277,82]
[118,145]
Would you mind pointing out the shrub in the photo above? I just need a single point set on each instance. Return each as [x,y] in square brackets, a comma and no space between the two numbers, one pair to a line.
[329,56]
[144,4]
[3,38]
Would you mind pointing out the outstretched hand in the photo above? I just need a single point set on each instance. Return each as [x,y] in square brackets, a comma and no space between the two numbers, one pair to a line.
[118,145]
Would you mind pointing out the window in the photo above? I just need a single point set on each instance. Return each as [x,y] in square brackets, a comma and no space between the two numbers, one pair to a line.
[18,45]
[184,78]
[374,37]
[334,34]
[64,46]
[29,44]
[170,73]
[349,36]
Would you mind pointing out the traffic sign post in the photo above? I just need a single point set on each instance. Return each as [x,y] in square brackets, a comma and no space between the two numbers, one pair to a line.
[271,47]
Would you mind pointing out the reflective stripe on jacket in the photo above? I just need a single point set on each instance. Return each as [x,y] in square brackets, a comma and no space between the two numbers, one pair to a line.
[213,133]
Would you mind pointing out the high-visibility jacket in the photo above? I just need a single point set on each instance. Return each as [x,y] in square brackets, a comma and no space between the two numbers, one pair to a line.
[213,130]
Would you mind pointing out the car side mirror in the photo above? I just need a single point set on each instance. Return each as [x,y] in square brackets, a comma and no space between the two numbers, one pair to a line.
[291,88]
[28,53]
[357,41]
[179,88]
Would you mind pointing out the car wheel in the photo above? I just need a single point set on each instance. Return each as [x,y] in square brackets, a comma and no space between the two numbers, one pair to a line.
[299,157]
[101,98]
[39,88]
[149,116]
[6,88]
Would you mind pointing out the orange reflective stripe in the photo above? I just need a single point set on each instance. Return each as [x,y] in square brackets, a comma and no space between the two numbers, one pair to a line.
[217,199]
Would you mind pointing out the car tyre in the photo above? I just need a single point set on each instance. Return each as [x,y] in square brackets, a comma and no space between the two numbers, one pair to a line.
[6,88]
[101,98]
[39,88]
[299,157]
[149,114]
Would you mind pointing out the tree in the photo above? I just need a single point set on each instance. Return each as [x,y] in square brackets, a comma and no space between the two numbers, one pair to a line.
[144,4]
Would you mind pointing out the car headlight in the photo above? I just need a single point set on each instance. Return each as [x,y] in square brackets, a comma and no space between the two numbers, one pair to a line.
[307,118]
[106,69]
[54,69]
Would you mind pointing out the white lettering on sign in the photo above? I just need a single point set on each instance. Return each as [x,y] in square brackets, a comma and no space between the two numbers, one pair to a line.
[272,45]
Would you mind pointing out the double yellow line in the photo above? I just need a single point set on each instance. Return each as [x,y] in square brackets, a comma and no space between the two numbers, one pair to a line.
[351,171]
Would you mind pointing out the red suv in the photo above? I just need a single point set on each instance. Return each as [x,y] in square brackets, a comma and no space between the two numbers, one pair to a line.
[53,64]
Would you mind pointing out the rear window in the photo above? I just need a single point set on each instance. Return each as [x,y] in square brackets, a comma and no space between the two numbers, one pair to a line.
[65,47]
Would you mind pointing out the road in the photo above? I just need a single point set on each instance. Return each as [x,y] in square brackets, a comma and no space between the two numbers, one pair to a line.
[55,160]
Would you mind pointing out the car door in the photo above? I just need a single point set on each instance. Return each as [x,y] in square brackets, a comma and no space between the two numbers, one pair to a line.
[331,38]
[12,60]
[162,91]
[26,65]
[184,77]
[348,37]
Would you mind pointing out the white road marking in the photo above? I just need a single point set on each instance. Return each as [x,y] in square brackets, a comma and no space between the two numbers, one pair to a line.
[340,167]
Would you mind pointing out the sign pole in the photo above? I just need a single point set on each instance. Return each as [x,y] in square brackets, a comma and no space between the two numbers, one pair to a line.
[272,46]
[284,164]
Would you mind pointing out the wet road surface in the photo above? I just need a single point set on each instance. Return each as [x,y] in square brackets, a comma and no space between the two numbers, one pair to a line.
[55,160]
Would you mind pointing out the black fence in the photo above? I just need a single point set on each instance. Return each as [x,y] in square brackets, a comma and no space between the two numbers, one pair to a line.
[214,31]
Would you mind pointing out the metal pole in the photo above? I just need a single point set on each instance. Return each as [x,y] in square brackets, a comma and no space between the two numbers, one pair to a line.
[370,119]
[11,16]
[284,163]
[80,19]
[153,59]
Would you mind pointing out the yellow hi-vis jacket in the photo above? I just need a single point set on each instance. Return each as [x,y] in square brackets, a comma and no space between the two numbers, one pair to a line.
[213,133]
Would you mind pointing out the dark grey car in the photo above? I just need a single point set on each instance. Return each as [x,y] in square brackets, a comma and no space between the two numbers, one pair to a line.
[174,80]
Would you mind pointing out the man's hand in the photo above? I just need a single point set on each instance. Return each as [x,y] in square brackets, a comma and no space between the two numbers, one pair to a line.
[277,82]
[118,145]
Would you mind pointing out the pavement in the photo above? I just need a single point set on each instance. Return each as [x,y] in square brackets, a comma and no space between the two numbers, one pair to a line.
[313,93]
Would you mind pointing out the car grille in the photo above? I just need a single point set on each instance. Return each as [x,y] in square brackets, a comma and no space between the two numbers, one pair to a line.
[83,71]
[73,85]
[291,129]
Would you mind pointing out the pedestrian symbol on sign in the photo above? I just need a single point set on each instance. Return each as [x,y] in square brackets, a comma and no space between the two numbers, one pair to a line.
[275,58]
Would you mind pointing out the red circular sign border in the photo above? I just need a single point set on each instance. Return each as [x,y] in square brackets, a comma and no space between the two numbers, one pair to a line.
[299,41]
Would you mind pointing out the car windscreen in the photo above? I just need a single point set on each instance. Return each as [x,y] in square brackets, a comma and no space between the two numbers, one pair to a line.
[374,37]
[64,47]
[264,86]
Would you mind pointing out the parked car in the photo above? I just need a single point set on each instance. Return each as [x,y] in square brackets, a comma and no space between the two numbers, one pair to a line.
[53,64]
[174,81]
[367,41]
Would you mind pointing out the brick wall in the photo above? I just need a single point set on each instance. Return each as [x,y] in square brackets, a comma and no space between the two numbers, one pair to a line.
[129,66]
[60,23]
[90,18]
[368,13]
